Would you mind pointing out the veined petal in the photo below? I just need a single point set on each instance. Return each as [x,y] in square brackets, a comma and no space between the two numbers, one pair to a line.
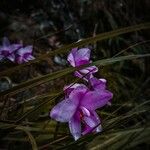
[96,99]
[84,53]
[64,110]
[75,126]
[90,122]
[82,56]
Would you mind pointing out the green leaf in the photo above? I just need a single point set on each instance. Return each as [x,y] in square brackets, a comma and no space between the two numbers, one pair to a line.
[40,80]
[31,138]
[37,81]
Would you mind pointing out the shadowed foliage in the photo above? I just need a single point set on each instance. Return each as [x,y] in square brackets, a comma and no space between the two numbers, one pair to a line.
[118,36]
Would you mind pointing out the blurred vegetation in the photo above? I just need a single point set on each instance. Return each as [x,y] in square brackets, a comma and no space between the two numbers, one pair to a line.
[118,34]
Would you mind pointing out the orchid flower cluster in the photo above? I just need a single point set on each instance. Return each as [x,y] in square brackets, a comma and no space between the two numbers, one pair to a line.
[80,103]
[15,52]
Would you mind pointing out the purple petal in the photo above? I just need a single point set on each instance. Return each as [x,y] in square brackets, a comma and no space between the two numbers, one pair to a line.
[86,73]
[27,56]
[82,56]
[82,76]
[87,129]
[79,57]
[78,93]
[69,88]
[92,121]
[64,110]
[75,126]
[5,52]
[97,119]
[71,57]
[15,47]
[24,54]
[85,111]
[31,57]
[98,84]
[71,60]
[96,99]
[11,57]
[91,69]
[6,46]
[25,50]
[28,49]
[19,59]
[78,74]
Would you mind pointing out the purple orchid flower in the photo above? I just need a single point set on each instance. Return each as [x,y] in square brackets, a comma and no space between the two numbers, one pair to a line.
[79,57]
[7,50]
[24,54]
[78,107]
